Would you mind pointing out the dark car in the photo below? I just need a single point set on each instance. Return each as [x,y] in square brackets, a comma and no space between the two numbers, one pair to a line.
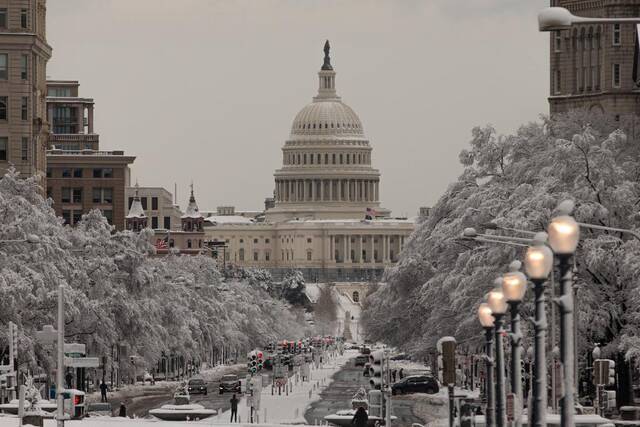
[361,360]
[197,386]
[230,383]
[416,384]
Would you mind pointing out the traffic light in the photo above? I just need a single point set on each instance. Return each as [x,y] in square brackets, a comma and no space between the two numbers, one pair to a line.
[611,377]
[132,359]
[13,330]
[259,360]
[375,371]
[252,362]
[604,372]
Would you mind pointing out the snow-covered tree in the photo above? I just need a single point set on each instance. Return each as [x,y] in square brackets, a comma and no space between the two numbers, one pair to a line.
[118,292]
[517,181]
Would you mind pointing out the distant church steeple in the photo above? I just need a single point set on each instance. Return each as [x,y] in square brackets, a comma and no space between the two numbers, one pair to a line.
[192,220]
[136,218]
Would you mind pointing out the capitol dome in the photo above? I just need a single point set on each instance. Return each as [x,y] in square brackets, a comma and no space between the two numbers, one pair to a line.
[327,117]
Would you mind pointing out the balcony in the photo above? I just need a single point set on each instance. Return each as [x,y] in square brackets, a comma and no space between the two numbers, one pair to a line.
[73,137]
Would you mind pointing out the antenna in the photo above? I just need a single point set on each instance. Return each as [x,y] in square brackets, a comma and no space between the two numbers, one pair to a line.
[175,193]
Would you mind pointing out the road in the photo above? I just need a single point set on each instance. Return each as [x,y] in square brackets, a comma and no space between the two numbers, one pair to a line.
[339,393]
[139,405]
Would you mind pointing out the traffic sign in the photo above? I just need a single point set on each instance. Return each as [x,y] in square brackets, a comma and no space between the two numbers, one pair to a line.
[82,362]
[511,398]
[75,348]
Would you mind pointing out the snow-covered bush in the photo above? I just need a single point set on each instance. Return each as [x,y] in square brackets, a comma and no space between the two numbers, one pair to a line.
[116,292]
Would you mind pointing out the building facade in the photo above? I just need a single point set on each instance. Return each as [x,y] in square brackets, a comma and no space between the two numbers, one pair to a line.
[158,204]
[80,176]
[595,66]
[24,53]
[326,218]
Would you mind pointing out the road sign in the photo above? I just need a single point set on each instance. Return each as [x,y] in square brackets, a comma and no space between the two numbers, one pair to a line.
[75,348]
[82,362]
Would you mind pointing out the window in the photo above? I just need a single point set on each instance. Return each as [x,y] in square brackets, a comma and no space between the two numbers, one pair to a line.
[4,142]
[326,159]
[143,201]
[3,17]
[340,158]
[309,255]
[154,204]
[241,240]
[167,222]
[267,256]
[103,195]
[23,18]
[24,108]
[77,216]
[3,107]
[24,67]
[97,173]
[557,82]
[108,214]
[4,60]
[66,173]
[355,296]
[154,222]
[241,254]
[616,35]
[334,159]
[189,243]
[255,255]
[308,239]
[171,243]
[24,151]
[66,216]
[107,173]
[267,241]
[557,41]
[49,173]
[77,173]
[66,195]
[49,192]
[76,195]
[616,75]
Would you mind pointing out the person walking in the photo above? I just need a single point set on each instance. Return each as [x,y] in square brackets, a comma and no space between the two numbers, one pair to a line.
[393,375]
[234,408]
[401,373]
[103,391]
[123,410]
[360,419]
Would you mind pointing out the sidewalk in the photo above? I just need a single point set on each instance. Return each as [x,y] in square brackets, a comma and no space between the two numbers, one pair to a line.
[291,409]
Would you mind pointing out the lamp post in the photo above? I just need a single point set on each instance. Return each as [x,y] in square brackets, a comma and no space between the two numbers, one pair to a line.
[564,233]
[538,263]
[559,18]
[498,306]
[514,286]
[486,320]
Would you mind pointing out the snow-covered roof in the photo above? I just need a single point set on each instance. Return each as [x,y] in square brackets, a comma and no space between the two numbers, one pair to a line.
[192,210]
[229,219]
[356,221]
[135,210]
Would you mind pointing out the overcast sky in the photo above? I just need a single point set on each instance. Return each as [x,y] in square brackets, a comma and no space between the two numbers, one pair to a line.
[206,90]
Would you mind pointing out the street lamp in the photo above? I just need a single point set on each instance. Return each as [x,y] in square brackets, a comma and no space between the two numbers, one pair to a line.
[514,286]
[538,263]
[486,320]
[559,18]
[498,305]
[564,233]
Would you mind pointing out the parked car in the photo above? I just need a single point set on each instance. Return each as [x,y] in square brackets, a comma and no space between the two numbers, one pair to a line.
[197,386]
[416,384]
[365,350]
[361,359]
[99,409]
[365,371]
[230,383]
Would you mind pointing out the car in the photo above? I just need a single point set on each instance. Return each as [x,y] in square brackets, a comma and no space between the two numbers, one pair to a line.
[230,383]
[197,386]
[102,409]
[361,360]
[365,350]
[365,371]
[416,384]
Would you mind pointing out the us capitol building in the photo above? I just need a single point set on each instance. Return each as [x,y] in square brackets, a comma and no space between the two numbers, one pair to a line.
[325,218]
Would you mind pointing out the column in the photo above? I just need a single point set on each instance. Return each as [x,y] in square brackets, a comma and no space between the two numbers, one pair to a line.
[372,257]
[347,195]
[377,191]
[304,190]
[345,255]
[322,190]
[387,249]
[90,112]
[80,118]
[384,248]
[314,184]
[331,190]
[339,189]
[359,252]
[348,249]
[332,251]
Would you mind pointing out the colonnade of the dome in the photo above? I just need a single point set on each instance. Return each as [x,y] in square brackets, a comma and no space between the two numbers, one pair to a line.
[327,190]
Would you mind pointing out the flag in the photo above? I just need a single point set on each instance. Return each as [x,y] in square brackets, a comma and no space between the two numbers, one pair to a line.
[161,244]
[370,214]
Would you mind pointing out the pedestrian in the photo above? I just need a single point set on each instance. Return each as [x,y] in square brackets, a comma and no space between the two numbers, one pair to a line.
[401,373]
[69,379]
[234,408]
[123,410]
[103,391]
[393,375]
[360,419]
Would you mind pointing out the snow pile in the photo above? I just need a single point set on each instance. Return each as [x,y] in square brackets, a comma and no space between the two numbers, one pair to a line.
[516,181]
[116,293]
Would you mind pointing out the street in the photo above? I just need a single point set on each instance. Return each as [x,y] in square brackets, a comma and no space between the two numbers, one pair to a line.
[343,386]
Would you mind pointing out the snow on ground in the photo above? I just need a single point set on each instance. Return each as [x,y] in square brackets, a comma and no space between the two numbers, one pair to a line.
[129,422]
[290,409]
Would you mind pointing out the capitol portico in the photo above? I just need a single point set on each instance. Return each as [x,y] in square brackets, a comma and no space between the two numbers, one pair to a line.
[325,218]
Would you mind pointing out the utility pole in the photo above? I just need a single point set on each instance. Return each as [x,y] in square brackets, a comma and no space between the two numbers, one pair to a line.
[387,415]
[60,370]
